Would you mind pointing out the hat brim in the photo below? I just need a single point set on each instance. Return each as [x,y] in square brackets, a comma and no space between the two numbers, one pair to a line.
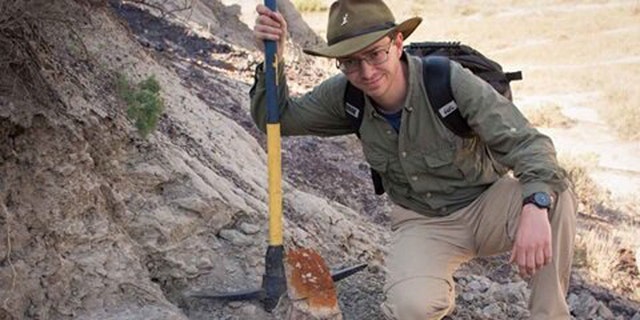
[352,45]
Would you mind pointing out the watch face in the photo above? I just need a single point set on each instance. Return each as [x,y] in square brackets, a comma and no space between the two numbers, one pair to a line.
[542,199]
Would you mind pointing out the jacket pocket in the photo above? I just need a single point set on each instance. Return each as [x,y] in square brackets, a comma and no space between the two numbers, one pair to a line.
[441,163]
[378,162]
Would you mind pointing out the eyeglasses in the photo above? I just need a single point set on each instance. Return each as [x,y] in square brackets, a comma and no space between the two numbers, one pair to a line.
[376,57]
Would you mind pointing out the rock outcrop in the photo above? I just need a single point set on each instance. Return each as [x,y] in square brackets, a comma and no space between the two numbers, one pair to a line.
[98,223]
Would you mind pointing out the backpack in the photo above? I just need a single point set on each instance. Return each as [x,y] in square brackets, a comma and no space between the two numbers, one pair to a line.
[437,81]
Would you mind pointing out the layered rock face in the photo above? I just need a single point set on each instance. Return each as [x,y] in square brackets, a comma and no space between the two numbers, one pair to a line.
[99,223]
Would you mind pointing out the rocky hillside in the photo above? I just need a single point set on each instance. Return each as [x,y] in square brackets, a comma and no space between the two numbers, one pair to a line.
[99,222]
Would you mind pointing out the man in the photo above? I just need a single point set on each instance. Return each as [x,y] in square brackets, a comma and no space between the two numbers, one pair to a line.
[451,203]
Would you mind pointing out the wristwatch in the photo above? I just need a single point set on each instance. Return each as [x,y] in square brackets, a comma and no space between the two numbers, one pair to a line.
[541,200]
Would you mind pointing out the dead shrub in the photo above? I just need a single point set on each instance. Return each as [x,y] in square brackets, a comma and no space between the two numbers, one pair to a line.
[27,59]
[310,5]
[601,251]
[590,195]
[548,116]
[623,113]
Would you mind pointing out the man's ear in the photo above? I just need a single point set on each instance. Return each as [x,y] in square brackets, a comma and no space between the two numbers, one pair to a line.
[399,38]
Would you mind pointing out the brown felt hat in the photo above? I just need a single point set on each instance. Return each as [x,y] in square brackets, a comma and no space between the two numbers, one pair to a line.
[357,24]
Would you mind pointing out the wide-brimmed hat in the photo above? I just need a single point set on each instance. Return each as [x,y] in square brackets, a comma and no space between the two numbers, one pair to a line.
[356,24]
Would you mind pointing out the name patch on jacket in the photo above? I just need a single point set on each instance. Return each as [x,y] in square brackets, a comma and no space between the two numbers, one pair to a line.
[352,110]
[448,108]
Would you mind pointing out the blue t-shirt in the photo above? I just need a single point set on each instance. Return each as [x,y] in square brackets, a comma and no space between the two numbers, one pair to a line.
[394,119]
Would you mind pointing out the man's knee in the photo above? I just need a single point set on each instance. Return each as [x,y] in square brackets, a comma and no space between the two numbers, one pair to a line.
[419,299]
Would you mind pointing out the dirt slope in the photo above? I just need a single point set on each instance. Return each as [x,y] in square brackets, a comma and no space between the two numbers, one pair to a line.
[98,223]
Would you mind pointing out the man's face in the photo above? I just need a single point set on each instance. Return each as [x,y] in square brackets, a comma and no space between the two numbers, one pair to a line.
[374,68]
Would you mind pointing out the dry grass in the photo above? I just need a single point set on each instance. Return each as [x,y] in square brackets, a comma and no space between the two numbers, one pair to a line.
[21,46]
[606,253]
[548,116]
[590,195]
[26,58]
[606,234]
[623,113]
[310,5]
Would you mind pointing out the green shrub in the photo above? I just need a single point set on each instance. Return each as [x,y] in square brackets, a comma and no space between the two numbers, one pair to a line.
[144,104]
[310,5]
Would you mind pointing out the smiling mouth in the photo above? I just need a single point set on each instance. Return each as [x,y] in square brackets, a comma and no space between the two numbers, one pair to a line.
[372,82]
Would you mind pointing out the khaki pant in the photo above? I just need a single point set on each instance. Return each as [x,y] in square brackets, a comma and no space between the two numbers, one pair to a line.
[425,251]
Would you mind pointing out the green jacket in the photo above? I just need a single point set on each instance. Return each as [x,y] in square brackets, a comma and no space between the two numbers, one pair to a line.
[425,167]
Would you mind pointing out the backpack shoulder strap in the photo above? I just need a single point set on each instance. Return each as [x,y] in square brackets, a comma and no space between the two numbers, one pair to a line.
[354,109]
[354,106]
[436,73]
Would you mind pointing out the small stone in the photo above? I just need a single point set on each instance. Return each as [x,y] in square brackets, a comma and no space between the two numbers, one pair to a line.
[479,284]
[65,170]
[572,301]
[249,311]
[190,270]
[493,311]
[235,237]
[374,269]
[512,293]
[467,296]
[249,228]
[584,305]
[204,263]
[605,312]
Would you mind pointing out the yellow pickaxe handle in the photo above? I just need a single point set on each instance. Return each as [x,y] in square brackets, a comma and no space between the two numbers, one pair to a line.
[275,184]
